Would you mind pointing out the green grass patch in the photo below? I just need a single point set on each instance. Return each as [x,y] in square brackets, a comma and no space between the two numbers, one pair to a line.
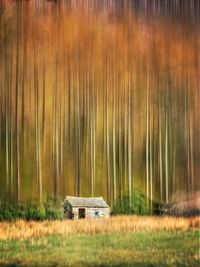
[165,249]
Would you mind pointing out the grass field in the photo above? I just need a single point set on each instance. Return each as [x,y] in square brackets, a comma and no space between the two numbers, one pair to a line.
[119,241]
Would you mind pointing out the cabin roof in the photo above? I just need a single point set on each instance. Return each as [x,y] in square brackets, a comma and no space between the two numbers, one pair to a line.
[97,202]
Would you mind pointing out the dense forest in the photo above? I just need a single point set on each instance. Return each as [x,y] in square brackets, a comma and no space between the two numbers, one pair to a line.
[99,97]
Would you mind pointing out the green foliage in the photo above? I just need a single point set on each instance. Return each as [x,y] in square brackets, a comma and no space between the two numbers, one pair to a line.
[49,210]
[33,211]
[138,204]
[7,211]
[53,209]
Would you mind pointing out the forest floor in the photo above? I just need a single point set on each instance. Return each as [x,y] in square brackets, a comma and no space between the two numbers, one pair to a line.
[118,241]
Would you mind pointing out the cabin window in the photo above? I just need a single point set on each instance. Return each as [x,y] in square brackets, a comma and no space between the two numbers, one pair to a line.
[96,214]
[81,213]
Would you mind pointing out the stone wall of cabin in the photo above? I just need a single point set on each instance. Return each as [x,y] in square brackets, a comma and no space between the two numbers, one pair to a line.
[92,212]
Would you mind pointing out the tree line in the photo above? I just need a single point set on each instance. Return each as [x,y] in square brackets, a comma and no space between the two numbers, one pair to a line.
[97,101]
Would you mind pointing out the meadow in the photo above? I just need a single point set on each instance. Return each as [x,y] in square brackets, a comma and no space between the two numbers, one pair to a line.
[118,241]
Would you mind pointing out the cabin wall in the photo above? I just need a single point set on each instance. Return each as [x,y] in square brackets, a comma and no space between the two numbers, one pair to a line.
[75,212]
[92,212]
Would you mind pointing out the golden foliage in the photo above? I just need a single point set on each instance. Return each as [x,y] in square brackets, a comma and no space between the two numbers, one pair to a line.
[119,224]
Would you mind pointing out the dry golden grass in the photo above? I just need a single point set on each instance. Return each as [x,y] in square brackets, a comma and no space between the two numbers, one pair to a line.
[122,224]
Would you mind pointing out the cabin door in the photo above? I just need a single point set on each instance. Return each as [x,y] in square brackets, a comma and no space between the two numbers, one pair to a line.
[81,213]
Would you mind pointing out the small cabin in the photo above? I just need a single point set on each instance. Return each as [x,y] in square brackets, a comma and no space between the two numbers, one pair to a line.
[82,207]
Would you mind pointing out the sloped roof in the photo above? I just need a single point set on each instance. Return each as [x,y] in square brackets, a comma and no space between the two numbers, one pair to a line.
[97,202]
